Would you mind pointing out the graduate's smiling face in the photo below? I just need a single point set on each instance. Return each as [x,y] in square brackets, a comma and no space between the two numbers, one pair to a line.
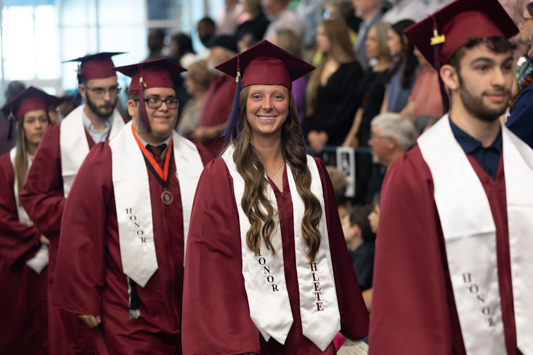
[483,80]
[267,109]
[163,119]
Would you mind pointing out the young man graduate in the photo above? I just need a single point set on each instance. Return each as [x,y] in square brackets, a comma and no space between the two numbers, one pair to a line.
[453,271]
[57,161]
[121,253]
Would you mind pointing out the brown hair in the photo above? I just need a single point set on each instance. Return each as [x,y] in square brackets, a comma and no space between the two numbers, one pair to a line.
[199,74]
[358,216]
[255,203]
[288,41]
[21,155]
[340,49]
[495,44]
[382,35]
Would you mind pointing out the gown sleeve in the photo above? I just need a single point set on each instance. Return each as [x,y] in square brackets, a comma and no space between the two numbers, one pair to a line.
[42,195]
[17,240]
[80,266]
[410,311]
[354,316]
[216,317]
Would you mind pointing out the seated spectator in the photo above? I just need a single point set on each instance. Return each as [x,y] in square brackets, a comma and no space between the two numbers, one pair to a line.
[370,12]
[332,88]
[197,84]
[156,39]
[281,18]
[525,72]
[414,10]
[206,34]
[228,19]
[360,242]
[369,99]
[520,121]
[392,135]
[219,96]
[371,90]
[338,181]
[288,41]
[373,218]
[425,98]
[182,50]
[251,31]
[403,70]
[310,13]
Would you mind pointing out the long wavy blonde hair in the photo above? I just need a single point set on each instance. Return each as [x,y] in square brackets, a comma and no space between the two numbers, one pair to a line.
[254,202]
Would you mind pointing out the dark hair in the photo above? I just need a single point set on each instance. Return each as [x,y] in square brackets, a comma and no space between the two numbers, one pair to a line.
[529,8]
[358,215]
[184,43]
[376,201]
[207,21]
[495,44]
[407,58]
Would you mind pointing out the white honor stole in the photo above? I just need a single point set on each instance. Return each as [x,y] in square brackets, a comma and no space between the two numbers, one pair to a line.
[264,275]
[134,205]
[74,145]
[470,237]
[40,259]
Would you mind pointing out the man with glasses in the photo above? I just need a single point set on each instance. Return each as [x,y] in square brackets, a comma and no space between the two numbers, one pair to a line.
[123,237]
[56,164]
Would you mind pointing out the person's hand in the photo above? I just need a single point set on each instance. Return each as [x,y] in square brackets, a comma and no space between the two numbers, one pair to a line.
[44,240]
[91,321]
[317,140]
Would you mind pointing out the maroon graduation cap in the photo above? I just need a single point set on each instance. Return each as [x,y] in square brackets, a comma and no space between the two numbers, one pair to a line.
[149,74]
[441,34]
[29,100]
[267,64]
[262,64]
[95,66]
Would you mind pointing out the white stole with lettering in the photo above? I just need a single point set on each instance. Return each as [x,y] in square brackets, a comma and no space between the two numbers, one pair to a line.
[40,259]
[470,237]
[74,146]
[134,204]
[264,275]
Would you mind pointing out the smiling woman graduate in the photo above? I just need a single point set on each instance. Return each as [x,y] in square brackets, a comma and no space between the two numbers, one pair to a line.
[259,272]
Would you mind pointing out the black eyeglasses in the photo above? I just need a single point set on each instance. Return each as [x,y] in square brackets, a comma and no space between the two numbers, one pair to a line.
[156,103]
[100,92]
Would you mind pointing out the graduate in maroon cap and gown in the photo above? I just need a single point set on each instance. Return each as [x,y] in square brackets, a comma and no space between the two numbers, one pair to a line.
[23,249]
[57,161]
[453,269]
[122,245]
[280,281]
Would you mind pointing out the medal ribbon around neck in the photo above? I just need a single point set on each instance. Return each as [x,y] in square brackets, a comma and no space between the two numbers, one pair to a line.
[162,175]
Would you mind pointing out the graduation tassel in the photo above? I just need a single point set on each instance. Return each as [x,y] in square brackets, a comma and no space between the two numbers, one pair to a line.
[436,41]
[135,302]
[233,116]
[144,123]
[10,118]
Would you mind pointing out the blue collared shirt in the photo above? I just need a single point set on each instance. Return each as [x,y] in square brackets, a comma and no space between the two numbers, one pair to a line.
[93,132]
[488,158]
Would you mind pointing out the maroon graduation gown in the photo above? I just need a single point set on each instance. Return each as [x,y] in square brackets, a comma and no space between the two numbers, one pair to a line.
[89,275]
[43,199]
[23,300]
[219,101]
[216,317]
[413,307]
